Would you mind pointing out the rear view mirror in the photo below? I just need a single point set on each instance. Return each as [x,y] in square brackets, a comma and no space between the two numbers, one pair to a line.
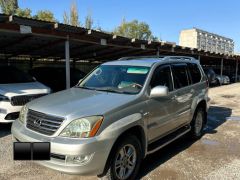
[159,91]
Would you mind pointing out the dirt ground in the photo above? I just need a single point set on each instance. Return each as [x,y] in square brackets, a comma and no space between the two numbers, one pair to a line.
[216,156]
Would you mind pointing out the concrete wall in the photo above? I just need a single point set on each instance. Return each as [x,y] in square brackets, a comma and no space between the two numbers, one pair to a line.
[188,38]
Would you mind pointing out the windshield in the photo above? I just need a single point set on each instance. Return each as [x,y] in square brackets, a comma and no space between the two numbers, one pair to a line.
[116,78]
[9,74]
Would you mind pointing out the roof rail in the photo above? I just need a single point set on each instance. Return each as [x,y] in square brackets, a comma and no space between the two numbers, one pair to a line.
[179,58]
[162,57]
[138,57]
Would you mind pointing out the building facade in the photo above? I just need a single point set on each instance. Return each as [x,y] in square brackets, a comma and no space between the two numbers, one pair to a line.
[203,40]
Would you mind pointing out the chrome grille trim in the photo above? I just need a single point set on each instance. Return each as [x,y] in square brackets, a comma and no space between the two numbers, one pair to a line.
[24,99]
[46,124]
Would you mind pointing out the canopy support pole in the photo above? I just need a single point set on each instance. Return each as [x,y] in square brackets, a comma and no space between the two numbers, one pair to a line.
[221,70]
[236,76]
[67,61]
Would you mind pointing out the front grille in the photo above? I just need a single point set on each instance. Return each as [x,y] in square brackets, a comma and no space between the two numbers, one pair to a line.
[43,123]
[22,100]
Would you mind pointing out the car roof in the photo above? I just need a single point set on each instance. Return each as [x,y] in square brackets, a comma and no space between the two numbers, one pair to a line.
[137,62]
[149,61]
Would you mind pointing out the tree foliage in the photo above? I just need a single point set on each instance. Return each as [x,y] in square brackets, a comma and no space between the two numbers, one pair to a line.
[89,21]
[24,12]
[66,19]
[73,18]
[134,29]
[9,6]
[45,15]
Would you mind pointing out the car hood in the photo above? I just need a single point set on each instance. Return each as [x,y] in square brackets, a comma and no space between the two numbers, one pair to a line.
[16,89]
[77,102]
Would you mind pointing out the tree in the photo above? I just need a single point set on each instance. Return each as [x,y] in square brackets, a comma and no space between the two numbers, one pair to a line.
[89,21]
[134,29]
[45,15]
[74,19]
[9,6]
[66,18]
[24,12]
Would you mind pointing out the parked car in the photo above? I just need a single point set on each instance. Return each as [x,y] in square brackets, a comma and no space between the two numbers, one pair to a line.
[55,77]
[16,89]
[119,113]
[222,80]
[233,79]
[211,75]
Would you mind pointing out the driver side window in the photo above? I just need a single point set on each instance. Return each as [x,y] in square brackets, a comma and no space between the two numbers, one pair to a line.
[162,77]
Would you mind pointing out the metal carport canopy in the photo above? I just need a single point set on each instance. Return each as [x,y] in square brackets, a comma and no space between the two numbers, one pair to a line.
[34,39]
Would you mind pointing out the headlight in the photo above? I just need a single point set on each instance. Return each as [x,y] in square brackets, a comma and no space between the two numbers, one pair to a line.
[83,128]
[3,98]
[23,114]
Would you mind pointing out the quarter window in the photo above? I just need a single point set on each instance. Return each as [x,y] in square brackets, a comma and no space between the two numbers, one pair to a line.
[180,76]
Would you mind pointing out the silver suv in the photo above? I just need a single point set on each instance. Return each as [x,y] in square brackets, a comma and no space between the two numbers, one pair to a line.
[120,112]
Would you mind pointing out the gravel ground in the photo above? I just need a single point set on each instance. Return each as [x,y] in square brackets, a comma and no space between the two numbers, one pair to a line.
[215,156]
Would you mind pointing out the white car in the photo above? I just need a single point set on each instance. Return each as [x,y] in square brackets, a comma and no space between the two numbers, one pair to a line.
[222,80]
[16,89]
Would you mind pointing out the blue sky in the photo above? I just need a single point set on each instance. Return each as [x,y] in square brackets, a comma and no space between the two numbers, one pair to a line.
[166,18]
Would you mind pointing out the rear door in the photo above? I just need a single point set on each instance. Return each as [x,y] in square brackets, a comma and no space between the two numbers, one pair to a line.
[183,93]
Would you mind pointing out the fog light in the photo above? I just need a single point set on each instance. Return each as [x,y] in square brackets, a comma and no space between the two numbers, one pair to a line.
[79,160]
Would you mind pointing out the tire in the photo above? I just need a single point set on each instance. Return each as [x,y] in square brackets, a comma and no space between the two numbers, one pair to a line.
[218,83]
[197,124]
[128,143]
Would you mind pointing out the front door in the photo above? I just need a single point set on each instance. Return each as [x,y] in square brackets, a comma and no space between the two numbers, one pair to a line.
[162,109]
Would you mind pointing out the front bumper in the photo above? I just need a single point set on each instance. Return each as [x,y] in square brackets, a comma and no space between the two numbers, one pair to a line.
[226,81]
[7,108]
[98,146]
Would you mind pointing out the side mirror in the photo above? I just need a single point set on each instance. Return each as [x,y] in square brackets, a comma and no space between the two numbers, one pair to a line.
[159,91]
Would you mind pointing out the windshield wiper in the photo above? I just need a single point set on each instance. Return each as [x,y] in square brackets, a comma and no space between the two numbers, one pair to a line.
[105,90]
[109,90]
[83,87]
[114,91]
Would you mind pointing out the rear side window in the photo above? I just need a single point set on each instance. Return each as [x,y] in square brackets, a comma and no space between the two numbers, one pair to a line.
[180,76]
[194,73]
[162,77]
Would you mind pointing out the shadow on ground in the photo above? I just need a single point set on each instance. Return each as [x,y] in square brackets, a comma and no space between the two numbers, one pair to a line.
[216,117]
[5,129]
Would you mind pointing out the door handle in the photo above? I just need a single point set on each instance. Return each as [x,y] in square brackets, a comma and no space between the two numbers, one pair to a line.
[144,113]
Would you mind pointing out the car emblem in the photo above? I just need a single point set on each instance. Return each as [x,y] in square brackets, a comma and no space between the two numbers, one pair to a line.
[38,122]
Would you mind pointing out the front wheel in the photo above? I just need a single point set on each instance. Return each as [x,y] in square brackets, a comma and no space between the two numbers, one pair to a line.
[126,160]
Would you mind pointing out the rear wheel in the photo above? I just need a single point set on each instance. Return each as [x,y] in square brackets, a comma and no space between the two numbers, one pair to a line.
[126,160]
[197,124]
